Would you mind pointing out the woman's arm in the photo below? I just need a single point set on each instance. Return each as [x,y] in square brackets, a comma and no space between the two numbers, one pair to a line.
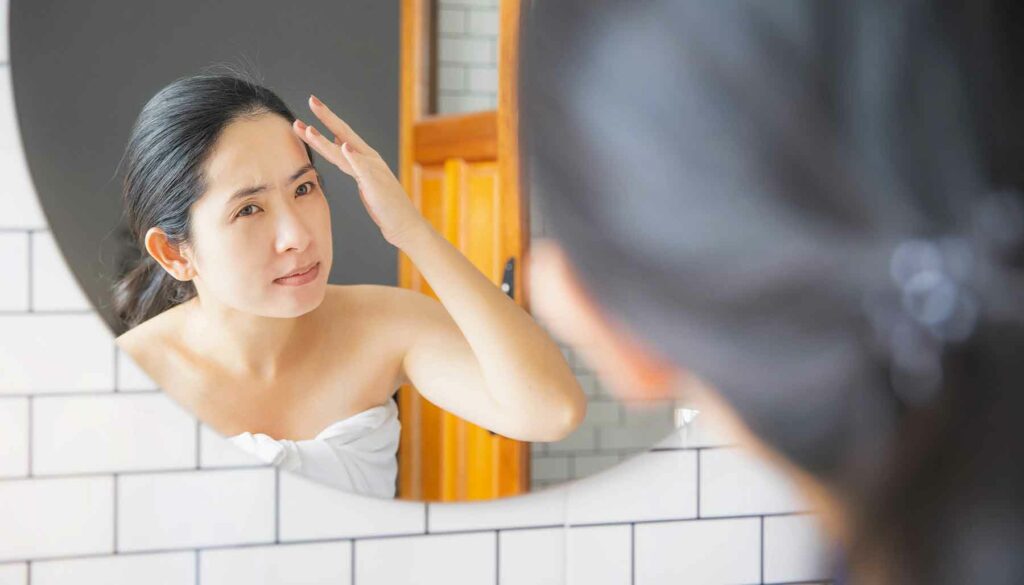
[481,339]
[476,353]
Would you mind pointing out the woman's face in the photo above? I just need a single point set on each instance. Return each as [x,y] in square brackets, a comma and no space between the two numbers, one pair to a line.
[263,217]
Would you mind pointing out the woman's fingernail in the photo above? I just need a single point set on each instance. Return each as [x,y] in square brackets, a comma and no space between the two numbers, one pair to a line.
[300,124]
[315,101]
[313,130]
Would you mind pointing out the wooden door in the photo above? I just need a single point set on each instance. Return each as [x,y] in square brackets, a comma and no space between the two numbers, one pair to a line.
[462,171]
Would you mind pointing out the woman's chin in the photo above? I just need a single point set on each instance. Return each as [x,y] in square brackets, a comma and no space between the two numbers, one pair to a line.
[297,301]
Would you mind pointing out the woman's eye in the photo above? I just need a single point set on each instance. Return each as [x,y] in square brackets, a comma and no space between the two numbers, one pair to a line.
[241,212]
[305,188]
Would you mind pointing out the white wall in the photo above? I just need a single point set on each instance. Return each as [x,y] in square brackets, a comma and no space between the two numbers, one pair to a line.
[105,480]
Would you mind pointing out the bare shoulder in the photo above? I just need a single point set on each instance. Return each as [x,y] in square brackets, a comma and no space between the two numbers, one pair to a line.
[381,302]
[149,342]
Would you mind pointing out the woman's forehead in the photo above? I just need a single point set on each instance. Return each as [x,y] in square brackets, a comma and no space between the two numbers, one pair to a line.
[261,149]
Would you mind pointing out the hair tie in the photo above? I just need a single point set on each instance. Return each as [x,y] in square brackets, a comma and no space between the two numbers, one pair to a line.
[936,293]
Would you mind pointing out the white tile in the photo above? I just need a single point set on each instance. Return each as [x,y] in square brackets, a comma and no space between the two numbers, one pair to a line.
[55,353]
[216,451]
[14,426]
[456,559]
[703,431]
[4,37]
[19,207]
[56,517]
[599,555]
[195,509]
[54,287]
[637,438]
[471,3]
[14,574]
[14,263]
[483,22]
[455,104]
[311,510]
[587,465]
[543,508]
[651,486]
[584,438]
[110,433]
[130,377]
[602,412]
[451,21]
[4,52]
[549,468]
[483,79]
[156,569]
[735,483]
[534,556]
[327,563]
[795,549]
[462,50]
[451,78]
[699,551]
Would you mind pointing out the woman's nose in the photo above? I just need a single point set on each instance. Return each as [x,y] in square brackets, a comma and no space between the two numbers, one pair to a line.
[292,231]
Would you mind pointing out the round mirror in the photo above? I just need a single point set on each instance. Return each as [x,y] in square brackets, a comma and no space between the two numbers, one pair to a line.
[241,268]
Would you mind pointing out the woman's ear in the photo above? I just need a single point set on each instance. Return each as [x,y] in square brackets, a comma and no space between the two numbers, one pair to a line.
[630,366]
[168,255]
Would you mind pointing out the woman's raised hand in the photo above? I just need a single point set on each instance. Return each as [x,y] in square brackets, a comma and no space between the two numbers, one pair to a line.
[383,196]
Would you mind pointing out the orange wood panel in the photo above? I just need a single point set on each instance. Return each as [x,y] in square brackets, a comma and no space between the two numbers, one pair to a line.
[462,173]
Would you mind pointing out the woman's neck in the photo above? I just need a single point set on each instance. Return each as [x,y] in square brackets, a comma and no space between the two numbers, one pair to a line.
[243,344]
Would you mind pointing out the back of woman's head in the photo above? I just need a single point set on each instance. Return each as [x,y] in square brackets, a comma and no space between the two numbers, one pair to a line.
[164,175]
[816,207]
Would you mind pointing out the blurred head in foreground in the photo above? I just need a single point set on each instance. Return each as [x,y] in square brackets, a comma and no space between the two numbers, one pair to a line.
[816,209]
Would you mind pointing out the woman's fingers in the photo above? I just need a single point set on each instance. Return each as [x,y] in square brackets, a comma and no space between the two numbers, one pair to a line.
[327,149]
[339,127]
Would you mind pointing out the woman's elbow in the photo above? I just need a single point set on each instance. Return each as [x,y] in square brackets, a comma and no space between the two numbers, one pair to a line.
[566,417]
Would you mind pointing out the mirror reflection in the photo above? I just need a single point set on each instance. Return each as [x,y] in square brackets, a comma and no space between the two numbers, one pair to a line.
[334,287]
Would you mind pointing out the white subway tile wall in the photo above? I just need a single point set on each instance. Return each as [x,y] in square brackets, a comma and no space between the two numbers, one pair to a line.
[531,557]
[102,487]
[14,574]
[152,569]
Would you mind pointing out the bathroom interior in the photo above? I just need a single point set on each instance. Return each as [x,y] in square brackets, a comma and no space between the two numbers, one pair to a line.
[106,479]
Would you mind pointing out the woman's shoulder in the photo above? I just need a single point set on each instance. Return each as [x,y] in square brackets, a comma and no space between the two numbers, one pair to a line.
[379,298]
[151,343]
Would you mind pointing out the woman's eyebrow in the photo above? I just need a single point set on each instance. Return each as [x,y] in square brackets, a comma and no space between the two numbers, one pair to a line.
[246,191]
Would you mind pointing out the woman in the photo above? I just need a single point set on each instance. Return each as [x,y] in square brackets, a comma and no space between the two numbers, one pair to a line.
[230,311]
[814,209]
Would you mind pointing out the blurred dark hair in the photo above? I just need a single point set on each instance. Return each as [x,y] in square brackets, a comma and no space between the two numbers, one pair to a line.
[731,179]
[164,165]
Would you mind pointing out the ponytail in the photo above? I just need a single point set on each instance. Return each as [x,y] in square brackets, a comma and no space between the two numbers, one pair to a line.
[146,291]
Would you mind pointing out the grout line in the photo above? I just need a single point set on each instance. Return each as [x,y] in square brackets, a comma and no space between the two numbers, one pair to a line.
[426,517]
[277,504]
[199,446]
[497,557]
[698,458]
[31,274]
[116,506]
[72,393]
[196,561]
[117,377]
[762,549]
[31,415]
[28,573]
[134,472]
[352,565]
[632,553]
[47,311]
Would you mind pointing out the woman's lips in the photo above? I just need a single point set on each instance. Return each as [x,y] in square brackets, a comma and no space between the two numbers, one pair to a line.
[300,279]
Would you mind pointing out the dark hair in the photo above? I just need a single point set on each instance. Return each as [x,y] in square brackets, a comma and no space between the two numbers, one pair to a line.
[164,163]
[731,180]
